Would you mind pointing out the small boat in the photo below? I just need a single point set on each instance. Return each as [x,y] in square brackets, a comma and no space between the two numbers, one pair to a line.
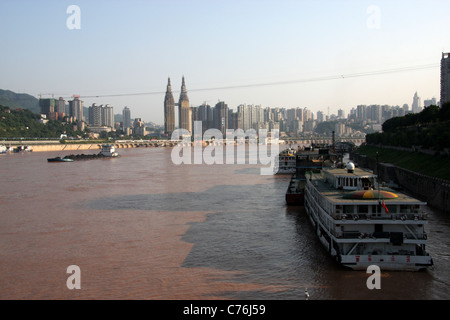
[22,149]
[59,159]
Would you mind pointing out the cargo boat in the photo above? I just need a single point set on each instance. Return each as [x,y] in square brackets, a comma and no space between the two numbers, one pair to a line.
[361,224]
[107,151]
[305,160]
[296,191]
[286,162]
[59,159]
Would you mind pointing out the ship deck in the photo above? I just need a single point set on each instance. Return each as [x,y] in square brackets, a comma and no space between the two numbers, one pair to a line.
[337,195]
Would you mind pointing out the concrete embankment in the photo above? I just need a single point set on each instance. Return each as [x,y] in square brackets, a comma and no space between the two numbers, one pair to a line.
[435,191]
[64,147]
[46,146]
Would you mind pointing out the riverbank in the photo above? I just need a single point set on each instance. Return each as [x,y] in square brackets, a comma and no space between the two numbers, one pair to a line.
[437,166]
[424,176]
[50,146]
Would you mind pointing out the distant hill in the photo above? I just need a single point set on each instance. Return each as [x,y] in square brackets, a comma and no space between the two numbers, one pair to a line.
[25,101]
[19,100]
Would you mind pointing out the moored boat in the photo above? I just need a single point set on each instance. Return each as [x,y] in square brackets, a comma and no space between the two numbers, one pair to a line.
[22,149]
[286,162]
[296,191]
[361,224]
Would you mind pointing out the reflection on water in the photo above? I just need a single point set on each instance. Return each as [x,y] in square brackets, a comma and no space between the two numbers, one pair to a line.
[140,227]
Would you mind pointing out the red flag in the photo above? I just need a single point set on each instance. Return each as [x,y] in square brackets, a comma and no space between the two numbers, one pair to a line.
[384,206]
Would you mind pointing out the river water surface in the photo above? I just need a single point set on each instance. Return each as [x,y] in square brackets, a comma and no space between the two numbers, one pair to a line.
[141,227]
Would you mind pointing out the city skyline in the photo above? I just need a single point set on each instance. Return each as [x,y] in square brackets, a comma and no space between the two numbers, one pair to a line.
[326,55]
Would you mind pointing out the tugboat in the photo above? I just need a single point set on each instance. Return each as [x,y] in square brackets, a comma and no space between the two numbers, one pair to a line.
[108,150]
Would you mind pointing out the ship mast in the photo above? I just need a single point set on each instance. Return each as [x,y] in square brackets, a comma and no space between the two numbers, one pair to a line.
[378,180]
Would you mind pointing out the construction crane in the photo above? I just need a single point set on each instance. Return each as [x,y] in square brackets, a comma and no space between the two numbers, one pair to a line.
[46,94]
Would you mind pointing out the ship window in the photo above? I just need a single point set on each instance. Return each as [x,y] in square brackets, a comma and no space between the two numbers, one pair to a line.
[364,209]
[348,209]
[392,209]
[405,209]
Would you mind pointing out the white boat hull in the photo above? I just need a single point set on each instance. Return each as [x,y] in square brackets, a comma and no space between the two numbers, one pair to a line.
[362,262]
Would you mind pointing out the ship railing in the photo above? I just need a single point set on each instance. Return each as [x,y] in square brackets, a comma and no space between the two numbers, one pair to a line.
[376,235]
[383,216]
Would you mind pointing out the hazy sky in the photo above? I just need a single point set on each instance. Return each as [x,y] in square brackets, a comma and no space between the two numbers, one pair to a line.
[306,50]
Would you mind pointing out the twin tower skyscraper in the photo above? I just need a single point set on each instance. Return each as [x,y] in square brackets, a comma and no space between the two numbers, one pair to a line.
[184,110]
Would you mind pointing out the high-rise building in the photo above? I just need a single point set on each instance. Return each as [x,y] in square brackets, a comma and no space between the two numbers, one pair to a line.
[416,105]
[139,128]
[221,117]
[108,116]
[406,108]
[60,107]
[95,115]
[201,114]
[235,121]
[101,116]
[319,116]
[76,108]
[429,102]
[374,113]
[47,106]
[126,117]
[307,115]
[169,110]
[245,116]
[445,78]
[184,111]
[361,113]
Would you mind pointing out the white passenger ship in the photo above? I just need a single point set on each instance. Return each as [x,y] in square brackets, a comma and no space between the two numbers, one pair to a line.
[361,224]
